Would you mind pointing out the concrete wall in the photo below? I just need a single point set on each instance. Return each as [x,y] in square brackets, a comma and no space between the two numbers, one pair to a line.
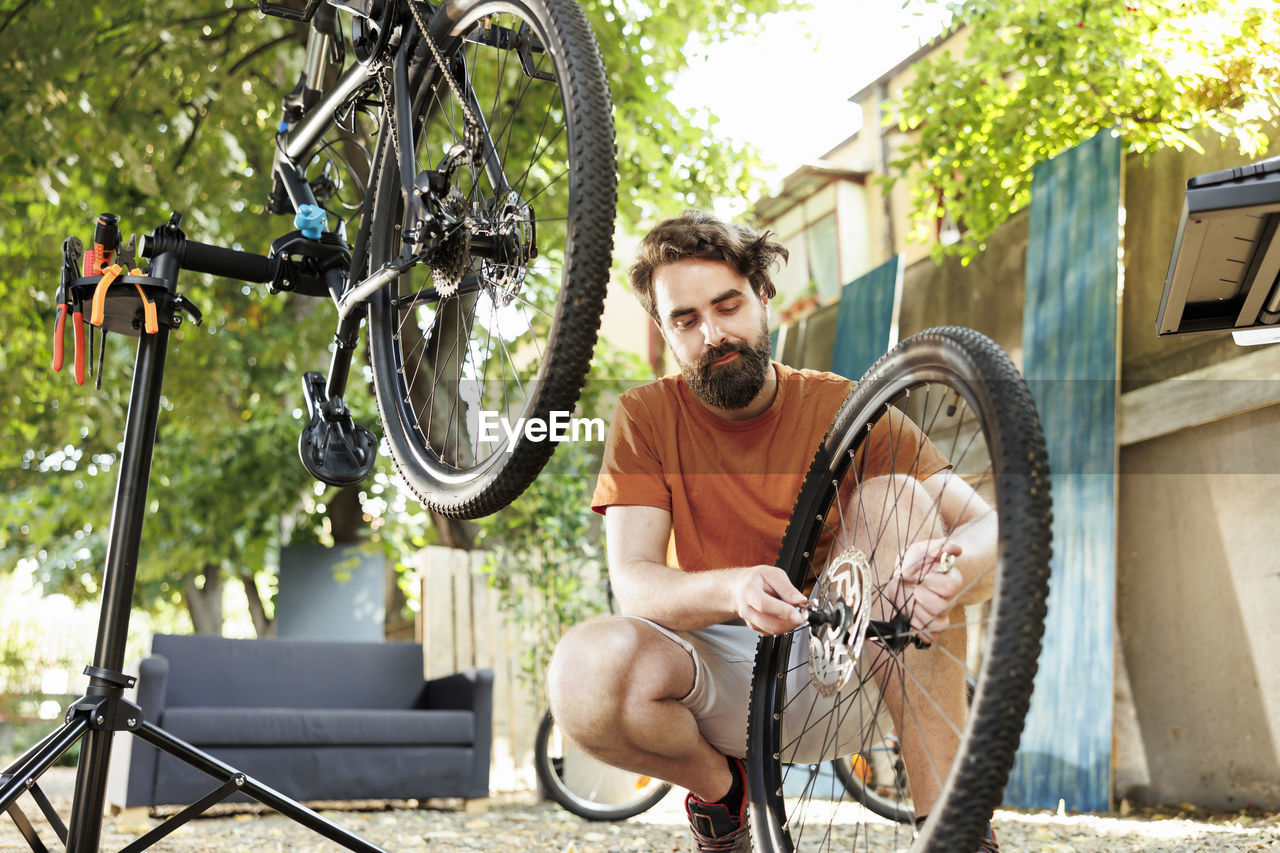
[1198,588]
[1198,579]
[986,295]
[1154,191]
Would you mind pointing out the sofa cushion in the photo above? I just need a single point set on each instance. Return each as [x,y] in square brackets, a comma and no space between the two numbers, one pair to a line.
[330,773]
[318,726]
[280,673]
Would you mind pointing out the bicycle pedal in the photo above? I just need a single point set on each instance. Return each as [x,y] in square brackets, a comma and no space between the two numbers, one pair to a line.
[334,449]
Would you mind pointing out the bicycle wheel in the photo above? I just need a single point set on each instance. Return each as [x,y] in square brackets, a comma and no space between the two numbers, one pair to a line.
[480,350]
[843,686]
[587,787]
[878,780]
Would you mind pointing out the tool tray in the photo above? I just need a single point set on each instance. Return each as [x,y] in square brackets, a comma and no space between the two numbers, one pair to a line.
[124,313]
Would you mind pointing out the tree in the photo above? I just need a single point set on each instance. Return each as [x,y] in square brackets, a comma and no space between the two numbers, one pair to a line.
[130,110]
[171,105]
[545,558]
[1040,76]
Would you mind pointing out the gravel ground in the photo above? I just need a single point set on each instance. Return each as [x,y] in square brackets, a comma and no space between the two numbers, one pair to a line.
[513,821]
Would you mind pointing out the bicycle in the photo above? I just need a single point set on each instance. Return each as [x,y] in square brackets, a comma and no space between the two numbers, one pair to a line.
[860,651]
[586,787]
[484,240]
[877,779]
[593,790]
[482,283]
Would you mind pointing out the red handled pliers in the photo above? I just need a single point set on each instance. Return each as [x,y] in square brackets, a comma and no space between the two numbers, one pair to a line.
[69,304]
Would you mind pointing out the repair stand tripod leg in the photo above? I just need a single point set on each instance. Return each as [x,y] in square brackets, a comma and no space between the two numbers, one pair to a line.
[234,781]
[103,711]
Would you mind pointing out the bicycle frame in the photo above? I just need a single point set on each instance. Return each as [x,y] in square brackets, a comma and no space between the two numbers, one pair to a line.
[103,712]
[297,143]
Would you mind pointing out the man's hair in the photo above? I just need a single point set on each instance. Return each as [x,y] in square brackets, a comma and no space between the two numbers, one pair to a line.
[697,234]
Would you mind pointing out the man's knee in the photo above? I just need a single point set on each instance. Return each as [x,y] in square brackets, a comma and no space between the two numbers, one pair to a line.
[893,489]
[611,664]
[892,504]
[583,654]
[591,664]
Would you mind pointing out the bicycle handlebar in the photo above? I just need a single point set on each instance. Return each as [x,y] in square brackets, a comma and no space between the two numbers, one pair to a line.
[214,260]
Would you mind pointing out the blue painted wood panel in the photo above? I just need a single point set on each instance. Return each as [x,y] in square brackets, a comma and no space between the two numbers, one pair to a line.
[1069,359]
[864,320]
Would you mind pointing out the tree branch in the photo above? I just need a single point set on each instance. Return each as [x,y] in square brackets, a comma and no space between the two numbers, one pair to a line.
[198,116]
[262,48]
[15,13]
[212,16]
[137,67]
[262,626]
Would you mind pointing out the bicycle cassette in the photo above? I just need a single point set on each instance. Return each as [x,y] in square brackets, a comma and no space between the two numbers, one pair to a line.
[452,258]
[843,591]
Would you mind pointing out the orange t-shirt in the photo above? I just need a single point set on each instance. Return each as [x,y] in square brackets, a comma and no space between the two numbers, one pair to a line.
[730,485]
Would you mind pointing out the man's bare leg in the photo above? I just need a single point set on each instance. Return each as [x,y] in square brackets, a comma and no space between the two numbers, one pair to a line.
[926,699]
[615,685]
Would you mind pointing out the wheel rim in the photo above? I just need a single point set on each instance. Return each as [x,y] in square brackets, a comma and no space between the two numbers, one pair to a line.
[795,805]
[877,779]
[590,788]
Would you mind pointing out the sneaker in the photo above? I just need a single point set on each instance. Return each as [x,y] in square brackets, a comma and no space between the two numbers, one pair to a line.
[715,828]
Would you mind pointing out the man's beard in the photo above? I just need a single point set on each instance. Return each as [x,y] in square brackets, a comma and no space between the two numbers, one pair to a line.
[734,385]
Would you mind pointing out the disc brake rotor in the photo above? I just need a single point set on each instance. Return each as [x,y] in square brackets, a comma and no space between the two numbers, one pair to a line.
[844,588]
[513,223]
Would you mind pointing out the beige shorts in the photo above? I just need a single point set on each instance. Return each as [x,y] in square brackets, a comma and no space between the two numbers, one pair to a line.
[723,659]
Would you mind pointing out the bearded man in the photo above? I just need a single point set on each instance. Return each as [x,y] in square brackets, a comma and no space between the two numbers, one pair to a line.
[700,474]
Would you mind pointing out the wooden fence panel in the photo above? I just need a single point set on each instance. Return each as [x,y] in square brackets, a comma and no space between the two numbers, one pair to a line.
[462,627]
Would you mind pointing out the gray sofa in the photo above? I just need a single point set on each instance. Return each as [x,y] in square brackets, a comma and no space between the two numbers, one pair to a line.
[314,720]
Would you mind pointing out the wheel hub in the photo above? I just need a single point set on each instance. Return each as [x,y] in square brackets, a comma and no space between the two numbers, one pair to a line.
[512,224]
[842,600]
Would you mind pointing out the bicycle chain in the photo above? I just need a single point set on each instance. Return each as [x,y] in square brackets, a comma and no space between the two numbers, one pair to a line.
[472,131]
[449,262]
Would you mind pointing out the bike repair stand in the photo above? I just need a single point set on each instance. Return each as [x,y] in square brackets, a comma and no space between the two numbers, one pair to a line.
[146,306]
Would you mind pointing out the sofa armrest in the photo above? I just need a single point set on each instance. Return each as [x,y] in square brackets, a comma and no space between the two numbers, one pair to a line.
[461,691]
[471,690]
[153,683]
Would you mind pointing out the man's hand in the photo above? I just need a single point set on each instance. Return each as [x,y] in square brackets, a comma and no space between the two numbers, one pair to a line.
[924,585]
[765,599]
